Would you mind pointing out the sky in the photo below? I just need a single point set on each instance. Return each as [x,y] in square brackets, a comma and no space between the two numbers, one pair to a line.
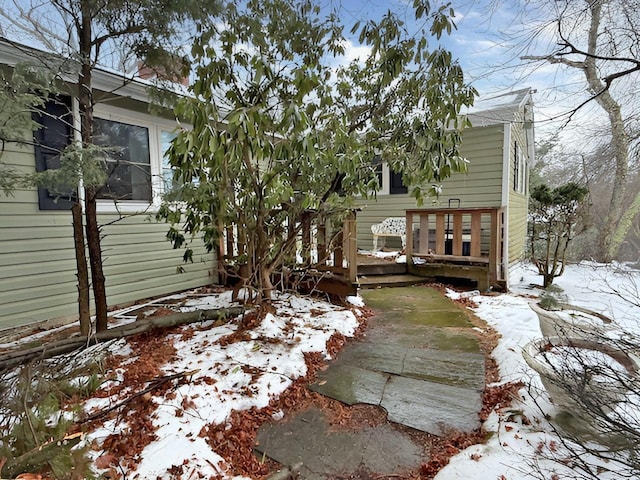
[490,38]
[488,43]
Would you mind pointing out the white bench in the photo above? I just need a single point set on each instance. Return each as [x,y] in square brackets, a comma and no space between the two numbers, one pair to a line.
[390,227]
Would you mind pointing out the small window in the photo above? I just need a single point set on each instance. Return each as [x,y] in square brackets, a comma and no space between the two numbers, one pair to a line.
[53,136]
[519,170]
[167,169]
[395,182]
[377,165]
[128,162]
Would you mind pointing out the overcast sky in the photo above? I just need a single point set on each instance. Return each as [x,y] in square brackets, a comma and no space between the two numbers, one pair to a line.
[489,42]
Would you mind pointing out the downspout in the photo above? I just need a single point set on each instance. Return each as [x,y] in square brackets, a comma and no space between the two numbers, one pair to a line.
[506,174]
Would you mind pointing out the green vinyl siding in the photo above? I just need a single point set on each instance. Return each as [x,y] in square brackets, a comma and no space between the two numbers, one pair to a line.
[480,187]
[518,201]
[37,260]
[517,227]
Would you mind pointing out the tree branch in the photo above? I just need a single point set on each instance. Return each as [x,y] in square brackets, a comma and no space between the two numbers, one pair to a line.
[153,384]
[16,357]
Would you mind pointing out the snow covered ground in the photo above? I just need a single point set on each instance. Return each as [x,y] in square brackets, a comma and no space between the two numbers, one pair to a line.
[221,368]
[235,373]
[234,376]
[521,442]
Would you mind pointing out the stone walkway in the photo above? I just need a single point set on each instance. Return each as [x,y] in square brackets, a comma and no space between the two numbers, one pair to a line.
[419,361]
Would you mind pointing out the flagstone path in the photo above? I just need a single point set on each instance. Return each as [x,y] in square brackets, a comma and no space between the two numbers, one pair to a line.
[419,361]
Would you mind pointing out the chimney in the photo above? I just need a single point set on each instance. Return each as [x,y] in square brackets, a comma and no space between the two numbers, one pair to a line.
[146,73]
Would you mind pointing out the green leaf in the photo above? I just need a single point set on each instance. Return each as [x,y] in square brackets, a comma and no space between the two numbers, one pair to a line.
[299,135]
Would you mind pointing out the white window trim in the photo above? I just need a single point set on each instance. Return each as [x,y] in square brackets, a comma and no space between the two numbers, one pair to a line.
[385,188]
[154,126]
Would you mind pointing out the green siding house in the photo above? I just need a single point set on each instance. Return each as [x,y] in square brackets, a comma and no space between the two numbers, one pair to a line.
[37,261]
[500,149]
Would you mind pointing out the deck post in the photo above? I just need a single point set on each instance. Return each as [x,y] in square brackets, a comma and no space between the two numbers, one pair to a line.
[456,248]
[350,246]
[476,234]
[424,232]
[241,243]
[409,236]
[306,239]
[220,253]
[338,249]
[493,248]
[230,241]
[322,241]
[440,233]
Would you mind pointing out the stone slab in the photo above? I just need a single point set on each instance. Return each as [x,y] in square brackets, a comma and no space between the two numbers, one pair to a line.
[351,384]
[460,369]
[451,367]
[417,305]
[379,357]
[431,407]
[327,454]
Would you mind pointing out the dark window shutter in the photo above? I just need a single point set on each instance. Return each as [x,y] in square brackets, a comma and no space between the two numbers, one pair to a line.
[396,185]
[50,139]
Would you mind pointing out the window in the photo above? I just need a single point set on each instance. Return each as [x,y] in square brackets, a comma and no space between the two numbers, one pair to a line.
[377,165]
[167,170]
[519,169]
[516,167]
[137,167]
[396,185]
[50,140]
[390,182]
[128,160]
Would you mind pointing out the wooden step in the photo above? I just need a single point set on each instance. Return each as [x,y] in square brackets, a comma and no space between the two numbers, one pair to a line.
[386,268]
[375,281]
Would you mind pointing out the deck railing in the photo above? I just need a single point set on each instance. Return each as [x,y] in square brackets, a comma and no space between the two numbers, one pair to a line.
[323,245]
[457,235]
[330,249]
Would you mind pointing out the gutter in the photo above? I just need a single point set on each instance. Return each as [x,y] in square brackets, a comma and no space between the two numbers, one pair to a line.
[13,53]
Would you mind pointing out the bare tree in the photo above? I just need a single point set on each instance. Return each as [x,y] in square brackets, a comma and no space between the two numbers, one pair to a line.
[600,39]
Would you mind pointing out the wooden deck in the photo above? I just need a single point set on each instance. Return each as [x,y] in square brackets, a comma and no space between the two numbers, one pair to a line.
[457,243]
[442,244]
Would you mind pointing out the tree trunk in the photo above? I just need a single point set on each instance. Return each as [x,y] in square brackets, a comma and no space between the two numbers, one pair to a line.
[613,231]
[85,100]
[266,286]
[623,226]
[95,260]
[81,271]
